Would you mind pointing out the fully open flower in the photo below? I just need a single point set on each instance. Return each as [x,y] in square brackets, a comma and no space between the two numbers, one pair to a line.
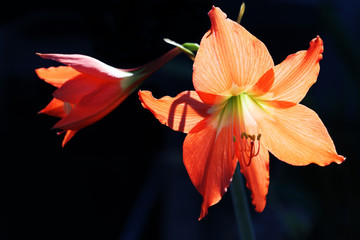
[243,107]
[88,89]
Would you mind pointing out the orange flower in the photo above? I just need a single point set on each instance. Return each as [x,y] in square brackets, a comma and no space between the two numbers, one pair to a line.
[242,107]
[88,89]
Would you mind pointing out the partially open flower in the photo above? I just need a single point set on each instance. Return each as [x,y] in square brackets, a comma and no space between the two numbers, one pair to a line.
[89,89]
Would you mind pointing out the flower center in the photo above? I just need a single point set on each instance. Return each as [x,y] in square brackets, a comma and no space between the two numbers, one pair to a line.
[249,146]
[237,113]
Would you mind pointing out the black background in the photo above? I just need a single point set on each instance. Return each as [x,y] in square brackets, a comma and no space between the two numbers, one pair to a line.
[123,177]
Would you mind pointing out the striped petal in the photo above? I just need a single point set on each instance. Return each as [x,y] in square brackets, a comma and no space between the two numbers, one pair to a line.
[88,65]
[57,76]
[297,136]
[208,158]
[93,107]
[257,177]
[297,73]
[228,55]
[75,89]
[180,113]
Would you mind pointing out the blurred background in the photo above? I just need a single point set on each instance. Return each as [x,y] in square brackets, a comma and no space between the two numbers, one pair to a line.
[123,177]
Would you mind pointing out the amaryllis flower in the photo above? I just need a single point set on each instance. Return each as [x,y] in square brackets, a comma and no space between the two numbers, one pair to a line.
[243,107]
[89,89]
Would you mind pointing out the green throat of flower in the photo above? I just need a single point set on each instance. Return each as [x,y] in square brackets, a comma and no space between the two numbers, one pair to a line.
[237,114]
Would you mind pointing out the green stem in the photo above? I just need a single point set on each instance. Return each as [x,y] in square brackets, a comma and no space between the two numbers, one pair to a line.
[241,207]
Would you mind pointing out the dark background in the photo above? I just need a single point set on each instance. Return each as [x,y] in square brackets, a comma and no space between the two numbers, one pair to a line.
[123,177]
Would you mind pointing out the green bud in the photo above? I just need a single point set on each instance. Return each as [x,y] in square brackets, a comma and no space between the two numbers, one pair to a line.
[187,48]
[241,13]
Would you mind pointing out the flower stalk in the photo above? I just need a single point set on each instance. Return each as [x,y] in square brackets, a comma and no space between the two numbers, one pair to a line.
[241,207]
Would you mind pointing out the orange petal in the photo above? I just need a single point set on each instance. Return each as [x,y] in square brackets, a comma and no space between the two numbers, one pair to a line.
[209,161]
[228,55]
[211,99]
[278,104]
[88,65]
[93,107]
[264,84]
[68,135]
[297,73]
[296,135]
[257,177]
[180,113]
[55,108]
[73,90]
[57,76]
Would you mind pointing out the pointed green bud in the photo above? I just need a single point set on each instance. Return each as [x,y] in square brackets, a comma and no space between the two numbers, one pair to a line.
[241,13]
[187,48]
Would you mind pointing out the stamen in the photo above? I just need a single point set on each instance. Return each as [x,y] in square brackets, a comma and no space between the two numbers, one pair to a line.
[252,137]
[248,148]
[244,135]
[251,153]
[68,107]
[245,144]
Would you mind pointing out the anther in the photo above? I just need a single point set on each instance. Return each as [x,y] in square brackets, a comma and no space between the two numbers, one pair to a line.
[252,137]
[251,151]
[244,135]
[258,137]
